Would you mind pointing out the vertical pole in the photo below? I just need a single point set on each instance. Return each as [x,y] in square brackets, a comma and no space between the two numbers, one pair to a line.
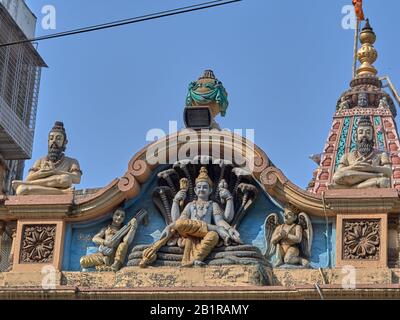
[356,37]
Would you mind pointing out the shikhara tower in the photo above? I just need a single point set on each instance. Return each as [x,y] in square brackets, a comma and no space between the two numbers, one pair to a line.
[366,97]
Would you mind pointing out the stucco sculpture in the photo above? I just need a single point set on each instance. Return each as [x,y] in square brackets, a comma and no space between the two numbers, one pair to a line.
[113,242]
[383,103]
[208,91]
[343,104]
[362,100]
[363,167]
[53,174]
[201,224]
[288,243]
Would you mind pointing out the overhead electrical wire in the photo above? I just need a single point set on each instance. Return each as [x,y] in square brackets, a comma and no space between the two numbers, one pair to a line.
[118,23]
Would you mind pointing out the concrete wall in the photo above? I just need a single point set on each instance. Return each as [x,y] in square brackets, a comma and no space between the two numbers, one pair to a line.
[23,16]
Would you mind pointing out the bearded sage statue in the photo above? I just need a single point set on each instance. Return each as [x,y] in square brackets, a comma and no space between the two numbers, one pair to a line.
[54,174]
[363,167]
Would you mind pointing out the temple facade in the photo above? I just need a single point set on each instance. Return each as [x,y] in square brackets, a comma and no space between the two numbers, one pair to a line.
[205,213]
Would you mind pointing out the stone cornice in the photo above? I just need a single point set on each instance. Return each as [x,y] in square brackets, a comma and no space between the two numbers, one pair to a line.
[65,206]
[331,202]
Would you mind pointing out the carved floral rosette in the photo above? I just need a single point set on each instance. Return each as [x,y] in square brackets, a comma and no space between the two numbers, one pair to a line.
[38,243]
[361,239]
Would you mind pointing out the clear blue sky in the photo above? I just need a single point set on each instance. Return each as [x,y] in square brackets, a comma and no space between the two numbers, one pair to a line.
[284,64]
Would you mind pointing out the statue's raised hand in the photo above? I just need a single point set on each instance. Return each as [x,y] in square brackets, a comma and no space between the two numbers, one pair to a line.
[225,194]
[180,196]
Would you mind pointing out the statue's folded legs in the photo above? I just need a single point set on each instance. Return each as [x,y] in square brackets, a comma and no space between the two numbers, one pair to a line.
[93,260]
[112,249]
[291,255]
[361,180]
[99,260]
[199,242]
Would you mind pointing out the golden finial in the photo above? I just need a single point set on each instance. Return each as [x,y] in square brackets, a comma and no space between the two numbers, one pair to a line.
[203,176]
[367,54]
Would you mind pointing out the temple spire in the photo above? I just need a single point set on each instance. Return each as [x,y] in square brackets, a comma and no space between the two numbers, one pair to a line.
[367,54]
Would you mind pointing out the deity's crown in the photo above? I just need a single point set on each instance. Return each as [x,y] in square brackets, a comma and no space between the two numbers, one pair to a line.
[203,176]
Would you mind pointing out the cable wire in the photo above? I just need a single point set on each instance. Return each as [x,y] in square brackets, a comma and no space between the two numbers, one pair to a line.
[153,16]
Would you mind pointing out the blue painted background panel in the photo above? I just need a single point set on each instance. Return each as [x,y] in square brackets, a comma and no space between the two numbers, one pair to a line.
[78,236]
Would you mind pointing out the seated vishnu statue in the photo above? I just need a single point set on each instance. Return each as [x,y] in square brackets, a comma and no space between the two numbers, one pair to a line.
[364,167]
[201,224]
[53,174]
[113,242]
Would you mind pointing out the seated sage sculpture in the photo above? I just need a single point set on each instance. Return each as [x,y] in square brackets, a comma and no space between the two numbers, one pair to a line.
[288,243]
[53,174]
[201,224]
[363,167]
[113,242]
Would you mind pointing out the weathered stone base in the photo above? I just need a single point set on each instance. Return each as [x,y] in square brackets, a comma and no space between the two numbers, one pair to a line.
[135,277]
[211,276]
[224,282]
[299,277]
[27,279]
